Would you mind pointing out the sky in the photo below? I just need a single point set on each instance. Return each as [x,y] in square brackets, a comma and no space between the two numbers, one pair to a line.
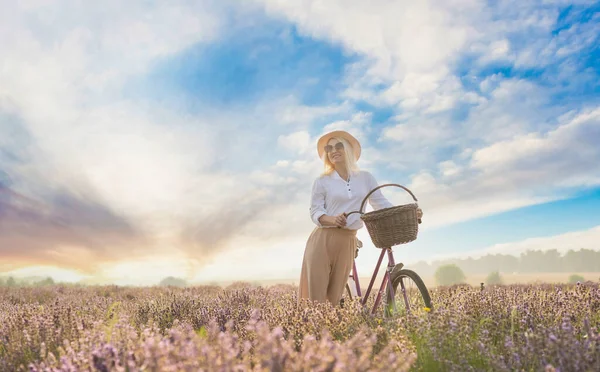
[140,140]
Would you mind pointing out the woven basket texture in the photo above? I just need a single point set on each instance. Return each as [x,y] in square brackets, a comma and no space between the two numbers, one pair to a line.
[392,226]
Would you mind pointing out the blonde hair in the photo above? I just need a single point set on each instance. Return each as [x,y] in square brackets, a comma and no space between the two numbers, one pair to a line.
[350,159]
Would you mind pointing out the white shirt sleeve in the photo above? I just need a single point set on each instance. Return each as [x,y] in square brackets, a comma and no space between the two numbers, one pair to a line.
[377,200]
[317,202]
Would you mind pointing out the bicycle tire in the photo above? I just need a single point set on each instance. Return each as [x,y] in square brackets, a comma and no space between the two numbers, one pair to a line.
[395,281]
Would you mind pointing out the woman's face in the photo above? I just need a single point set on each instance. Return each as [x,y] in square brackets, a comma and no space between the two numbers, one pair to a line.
[335,151]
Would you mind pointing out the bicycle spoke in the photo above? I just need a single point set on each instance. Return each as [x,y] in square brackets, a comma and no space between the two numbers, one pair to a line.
[411,294]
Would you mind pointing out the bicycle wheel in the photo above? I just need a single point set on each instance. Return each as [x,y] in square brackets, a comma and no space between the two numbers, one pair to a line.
[417,296]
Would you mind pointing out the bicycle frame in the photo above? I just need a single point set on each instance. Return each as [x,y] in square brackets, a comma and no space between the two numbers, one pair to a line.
[386,281]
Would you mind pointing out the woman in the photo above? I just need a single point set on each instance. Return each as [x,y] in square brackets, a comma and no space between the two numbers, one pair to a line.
[330,249]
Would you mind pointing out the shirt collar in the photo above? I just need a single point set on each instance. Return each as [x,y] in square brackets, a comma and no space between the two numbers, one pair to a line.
[335,174]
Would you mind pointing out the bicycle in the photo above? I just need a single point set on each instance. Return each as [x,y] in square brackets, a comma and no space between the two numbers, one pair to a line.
[395,274]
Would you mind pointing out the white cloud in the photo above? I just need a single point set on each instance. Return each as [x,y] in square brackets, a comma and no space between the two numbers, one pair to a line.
[513,107]
[574,240]
[449,168]
[529,169]
[289,111]
[266,178]
[298,142]
[546,47]
[358,122]
[495,51]
[96,44]
[418,132]
[411,50]
[570,149]
[386,32]
[64,68]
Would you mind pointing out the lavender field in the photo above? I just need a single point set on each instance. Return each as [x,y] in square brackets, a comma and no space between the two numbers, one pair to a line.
[242,328]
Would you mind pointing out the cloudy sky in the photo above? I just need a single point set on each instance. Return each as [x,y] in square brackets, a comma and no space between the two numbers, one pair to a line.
[144,139]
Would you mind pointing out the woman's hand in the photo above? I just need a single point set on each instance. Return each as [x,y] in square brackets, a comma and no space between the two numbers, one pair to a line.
[339,220]
[419,214]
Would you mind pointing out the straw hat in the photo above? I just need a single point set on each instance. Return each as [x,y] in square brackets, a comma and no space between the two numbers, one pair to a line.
[338,133]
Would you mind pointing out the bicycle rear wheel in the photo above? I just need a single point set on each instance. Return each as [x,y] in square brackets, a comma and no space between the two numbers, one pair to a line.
[410,294]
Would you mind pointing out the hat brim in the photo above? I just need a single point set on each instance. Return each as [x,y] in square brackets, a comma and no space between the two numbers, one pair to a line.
[338,133]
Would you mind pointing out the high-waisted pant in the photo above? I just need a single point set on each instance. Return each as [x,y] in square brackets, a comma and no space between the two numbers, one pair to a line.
[327,262]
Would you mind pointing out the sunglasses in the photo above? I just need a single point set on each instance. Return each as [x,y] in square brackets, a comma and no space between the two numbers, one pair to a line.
[338,146]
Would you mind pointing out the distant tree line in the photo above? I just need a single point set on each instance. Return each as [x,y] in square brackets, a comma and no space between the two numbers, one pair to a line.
[583,260]
[11,282]
[451,274]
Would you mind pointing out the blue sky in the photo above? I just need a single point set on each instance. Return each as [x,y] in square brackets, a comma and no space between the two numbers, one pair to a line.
[172,139]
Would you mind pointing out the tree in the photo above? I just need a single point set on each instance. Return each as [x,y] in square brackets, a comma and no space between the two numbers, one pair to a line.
[494,278]
[552,261]
[532,262]
[46,282]
[11,282]
[577,260]
[172,281]
[449,274]
[573,279]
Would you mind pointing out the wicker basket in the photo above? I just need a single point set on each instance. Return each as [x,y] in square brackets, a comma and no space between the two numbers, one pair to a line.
[391,226]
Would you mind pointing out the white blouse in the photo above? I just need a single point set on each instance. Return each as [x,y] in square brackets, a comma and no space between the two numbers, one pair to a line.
[332,195]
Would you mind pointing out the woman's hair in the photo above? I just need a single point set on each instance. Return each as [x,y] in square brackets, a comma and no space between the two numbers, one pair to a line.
[351,166]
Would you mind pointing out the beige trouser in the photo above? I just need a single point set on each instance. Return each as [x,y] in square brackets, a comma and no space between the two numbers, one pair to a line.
[328,259]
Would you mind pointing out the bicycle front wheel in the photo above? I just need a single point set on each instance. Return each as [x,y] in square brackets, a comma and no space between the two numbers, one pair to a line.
[410,294]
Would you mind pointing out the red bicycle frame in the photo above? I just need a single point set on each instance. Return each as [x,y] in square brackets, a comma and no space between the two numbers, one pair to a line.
[386,280]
